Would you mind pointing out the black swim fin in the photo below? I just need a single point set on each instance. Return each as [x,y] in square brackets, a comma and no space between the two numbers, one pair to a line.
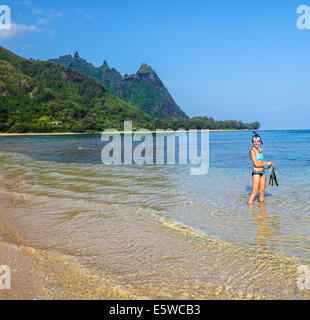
[270,176]
[273,178]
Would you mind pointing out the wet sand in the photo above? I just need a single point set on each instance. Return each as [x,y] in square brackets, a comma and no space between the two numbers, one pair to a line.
[36,275]
[26,283]
[64,239]
[40,275]
[48,275]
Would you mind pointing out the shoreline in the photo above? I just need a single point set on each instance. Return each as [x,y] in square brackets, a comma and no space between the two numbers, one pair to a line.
[39,274]
[108,132]
[45,274]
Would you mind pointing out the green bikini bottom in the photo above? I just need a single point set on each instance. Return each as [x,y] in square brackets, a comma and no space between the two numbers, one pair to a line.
[260,173]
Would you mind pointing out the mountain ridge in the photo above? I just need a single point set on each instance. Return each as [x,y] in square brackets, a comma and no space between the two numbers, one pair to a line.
[36,94]
[42,97]
[144,89]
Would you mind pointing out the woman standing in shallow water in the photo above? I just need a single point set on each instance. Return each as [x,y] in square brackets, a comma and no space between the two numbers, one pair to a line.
[258,174]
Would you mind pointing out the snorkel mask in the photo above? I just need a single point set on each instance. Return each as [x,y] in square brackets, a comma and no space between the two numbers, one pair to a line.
[257,137]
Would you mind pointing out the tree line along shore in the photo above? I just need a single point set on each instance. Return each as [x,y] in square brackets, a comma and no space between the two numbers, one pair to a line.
[47,97]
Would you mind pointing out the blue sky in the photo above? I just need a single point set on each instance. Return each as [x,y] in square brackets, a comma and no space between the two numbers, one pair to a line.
[241,60]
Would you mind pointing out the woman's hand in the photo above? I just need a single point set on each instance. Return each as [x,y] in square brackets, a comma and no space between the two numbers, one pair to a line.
[270,164]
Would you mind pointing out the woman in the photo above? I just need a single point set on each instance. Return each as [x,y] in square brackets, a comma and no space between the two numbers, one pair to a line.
[258,174]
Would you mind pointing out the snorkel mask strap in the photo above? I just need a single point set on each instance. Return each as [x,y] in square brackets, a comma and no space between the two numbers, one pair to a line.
[261,140]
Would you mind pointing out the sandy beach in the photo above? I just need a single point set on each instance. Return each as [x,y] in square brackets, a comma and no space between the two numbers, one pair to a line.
[36,275]
[26,283]
[40,275]
[71,228]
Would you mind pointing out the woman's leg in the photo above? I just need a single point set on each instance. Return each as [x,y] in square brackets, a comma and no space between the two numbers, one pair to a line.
[255,182]
[262,188]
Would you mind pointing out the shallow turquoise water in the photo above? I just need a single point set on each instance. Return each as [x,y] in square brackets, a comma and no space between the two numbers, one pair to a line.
[77,205]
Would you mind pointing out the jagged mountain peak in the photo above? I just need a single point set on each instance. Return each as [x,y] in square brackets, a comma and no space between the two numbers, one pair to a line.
[37,94]
[145,68]
[144,89]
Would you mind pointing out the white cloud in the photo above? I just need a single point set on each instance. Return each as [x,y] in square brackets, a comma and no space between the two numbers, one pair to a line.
[85,14]
[18,30]
[50,16]
[28,3]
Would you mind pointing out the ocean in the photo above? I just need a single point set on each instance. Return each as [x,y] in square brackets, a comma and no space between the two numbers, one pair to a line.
[155,231]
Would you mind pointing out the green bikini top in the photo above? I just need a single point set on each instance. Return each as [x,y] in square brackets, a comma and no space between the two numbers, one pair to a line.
[259,156]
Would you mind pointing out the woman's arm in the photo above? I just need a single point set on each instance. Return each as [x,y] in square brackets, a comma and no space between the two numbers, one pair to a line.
[258,164]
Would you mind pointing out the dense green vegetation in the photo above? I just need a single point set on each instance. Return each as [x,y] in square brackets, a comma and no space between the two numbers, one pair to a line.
[37,96]
[34,94]
[144,89]
[203,123]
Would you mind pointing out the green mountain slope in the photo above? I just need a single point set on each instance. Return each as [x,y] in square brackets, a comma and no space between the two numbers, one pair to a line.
[144,90]
[38,96]
[34,94]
